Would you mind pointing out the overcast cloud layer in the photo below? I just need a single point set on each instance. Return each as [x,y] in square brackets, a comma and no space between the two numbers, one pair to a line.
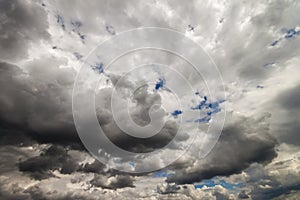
[256,46]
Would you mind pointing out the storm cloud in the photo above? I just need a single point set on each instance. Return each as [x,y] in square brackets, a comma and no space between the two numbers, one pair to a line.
[243,142]
[255,46]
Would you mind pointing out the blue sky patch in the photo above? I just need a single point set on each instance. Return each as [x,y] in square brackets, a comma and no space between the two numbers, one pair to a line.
[175,113]
[201,104]
[207,183]
[291,33]
[162,174]
[212,183]
[210,108]
[227,185]
[204,104]
[275,43]
[132,164]
[160,84]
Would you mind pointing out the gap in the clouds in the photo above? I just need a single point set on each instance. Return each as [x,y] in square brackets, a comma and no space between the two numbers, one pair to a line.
[212,183]
[163,173]
[201,104]
[160,83]
[291,33]
[275,43]
[288,34]
[210,108]
[175,113]
[132,164]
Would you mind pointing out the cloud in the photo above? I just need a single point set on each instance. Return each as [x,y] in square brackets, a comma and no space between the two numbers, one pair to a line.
[255,45]
[37,100]
[12,193]
[58,159]
[46,114]
[113,182]
[288,105]
[243,141]
[216,192]
[277,178]
[54,158]
[22,24]
[290,99]
[144,101]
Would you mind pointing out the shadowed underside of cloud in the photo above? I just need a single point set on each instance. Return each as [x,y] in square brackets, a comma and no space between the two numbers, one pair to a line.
[243,142]
[288,103]
[47,100]
[54,158]
[57,158]
[37,102]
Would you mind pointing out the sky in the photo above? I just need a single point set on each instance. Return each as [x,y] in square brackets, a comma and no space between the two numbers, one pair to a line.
[149,99]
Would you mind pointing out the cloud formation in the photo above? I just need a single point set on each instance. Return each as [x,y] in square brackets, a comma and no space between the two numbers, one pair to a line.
[255,46]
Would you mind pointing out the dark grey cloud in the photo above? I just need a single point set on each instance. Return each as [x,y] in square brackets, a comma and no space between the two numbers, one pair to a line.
[140,115]
[16,194]
[54,158]
[15,137]
[57,158]
[168,189]
[243,195]
[10,156]
[94,167]
[106,178]
[290,99]
[276,190]
[36,100]
[288,122]
[139,145]
[35,192]
[266,185]
[22,23]
[98,167]
[241,143]
[248,42]
[174,191]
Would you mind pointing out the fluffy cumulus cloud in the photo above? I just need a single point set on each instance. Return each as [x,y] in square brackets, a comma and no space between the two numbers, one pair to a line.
[255,45]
